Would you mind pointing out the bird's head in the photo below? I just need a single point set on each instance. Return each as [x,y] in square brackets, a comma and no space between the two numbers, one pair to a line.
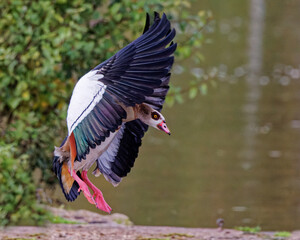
[153,118]
[158,121]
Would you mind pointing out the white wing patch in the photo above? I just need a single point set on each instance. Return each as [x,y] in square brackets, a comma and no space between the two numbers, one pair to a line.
[86,94]
[109,156]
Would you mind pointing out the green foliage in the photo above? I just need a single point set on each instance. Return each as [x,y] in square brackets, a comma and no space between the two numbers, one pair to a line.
[283,234]
[251,230]
[178,235]
[58,219]
[18,204]
[150,238]
[7,238]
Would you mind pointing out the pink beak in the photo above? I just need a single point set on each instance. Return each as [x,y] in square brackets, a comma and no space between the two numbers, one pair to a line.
[163,126]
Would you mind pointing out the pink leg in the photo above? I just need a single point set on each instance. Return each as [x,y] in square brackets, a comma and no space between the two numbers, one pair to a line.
[84,188]
[100,202]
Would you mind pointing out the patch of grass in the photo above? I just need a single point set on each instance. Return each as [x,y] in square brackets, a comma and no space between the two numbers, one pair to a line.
[122,221]
[7,238]
[249,230]
[168,236]
[178,235]
[146,238]
[38,235]
[282,234]
[58,219]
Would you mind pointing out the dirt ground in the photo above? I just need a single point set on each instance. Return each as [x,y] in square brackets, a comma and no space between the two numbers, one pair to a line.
[90,226]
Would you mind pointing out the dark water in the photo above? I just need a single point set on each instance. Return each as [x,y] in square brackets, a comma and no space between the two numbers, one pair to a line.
[233,153]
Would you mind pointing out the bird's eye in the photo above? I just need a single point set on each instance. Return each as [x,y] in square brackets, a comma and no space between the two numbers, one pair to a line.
[155,116]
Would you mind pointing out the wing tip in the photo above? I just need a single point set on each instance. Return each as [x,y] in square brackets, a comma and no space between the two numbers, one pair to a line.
[147,24]
[156,16]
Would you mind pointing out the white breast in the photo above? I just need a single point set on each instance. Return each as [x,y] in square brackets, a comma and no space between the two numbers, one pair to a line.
[86,94]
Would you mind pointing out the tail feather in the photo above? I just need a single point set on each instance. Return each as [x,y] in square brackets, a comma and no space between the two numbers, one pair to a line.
[68,185]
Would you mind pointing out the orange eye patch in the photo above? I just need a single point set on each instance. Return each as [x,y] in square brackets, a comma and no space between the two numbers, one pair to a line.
[155,116]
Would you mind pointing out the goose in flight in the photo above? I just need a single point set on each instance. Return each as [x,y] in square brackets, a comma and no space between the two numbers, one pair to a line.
[110,110]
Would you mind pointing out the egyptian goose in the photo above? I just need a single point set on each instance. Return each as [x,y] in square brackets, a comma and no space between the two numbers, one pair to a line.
[110,110]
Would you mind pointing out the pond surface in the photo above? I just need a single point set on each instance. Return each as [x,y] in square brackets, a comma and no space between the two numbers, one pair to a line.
[234,153]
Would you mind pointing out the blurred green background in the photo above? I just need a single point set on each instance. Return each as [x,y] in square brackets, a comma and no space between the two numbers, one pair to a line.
[234,149]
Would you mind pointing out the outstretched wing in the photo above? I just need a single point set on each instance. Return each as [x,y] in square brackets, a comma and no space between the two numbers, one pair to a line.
[134,72]
[137,73]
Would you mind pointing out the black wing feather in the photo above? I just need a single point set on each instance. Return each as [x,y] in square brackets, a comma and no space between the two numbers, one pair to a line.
[120,156]
[147,58]
[147,24]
